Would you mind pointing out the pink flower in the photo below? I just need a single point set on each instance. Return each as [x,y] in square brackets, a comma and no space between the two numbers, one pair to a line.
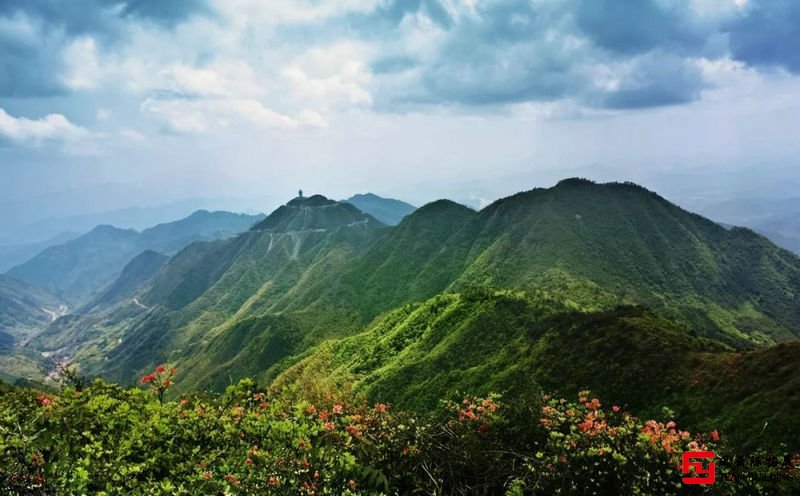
[715,435]
[615,408]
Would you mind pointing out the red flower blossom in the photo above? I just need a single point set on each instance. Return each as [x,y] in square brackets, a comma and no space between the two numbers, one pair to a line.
[615,408]
[337,409]
[232,480]
[329,426]
[160,369]
[715,435]
[249,462]
[148,378]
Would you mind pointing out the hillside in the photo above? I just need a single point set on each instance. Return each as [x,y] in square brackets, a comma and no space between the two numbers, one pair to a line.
[387,210]
[204,295]
[16,254]
[24,308]
[80,267]
[511,342]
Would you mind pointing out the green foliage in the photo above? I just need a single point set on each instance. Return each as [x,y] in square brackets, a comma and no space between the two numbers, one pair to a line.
[110,440]
[490,340]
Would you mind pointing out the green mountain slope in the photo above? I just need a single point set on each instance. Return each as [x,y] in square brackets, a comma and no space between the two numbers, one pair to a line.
[593,246]
[508,342]
[201,299]
[80,267]
[387,210]
[133,276]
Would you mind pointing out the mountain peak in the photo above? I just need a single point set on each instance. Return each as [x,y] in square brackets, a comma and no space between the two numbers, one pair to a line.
[311,201]
[387,210]
[315,212]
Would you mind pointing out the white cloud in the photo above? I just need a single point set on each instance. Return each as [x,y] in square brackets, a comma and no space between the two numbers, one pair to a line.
[201,115]
[51,128]
[82,67]
[329,76]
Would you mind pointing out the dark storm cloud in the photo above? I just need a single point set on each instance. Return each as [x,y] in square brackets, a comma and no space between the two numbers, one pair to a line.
[502,56]
[638,26]
[27,62]
[657,80]
[34,32]
[768,34]
[512,51]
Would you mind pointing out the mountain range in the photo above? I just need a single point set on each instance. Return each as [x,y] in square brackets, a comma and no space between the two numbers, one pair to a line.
[80,267]
[581,284]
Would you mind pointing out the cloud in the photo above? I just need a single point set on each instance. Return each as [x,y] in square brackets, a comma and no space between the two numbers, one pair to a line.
[203,64]
[651,80]
[766,34]
[639,26]
[33,35]
[51,128]
[183,116]
[29,56]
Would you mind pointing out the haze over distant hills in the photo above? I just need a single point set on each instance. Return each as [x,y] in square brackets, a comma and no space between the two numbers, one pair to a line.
[387,210]
[16,254]
[778,219]
[85,264]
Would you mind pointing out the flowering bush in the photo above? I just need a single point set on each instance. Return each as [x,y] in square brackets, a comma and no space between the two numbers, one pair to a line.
[160,381]
[109,440]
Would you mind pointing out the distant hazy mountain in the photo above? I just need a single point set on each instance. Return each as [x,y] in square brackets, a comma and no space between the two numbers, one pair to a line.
[387,210]
[83,265]
[777,219]
[16,254]
[24,308]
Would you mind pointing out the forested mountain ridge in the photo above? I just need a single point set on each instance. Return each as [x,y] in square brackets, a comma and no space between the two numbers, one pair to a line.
[317,269]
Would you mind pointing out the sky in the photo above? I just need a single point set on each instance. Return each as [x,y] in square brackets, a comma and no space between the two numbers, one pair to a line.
[117,103]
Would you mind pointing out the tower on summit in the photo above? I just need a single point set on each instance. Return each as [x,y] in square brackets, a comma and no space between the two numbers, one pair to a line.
[300,194]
